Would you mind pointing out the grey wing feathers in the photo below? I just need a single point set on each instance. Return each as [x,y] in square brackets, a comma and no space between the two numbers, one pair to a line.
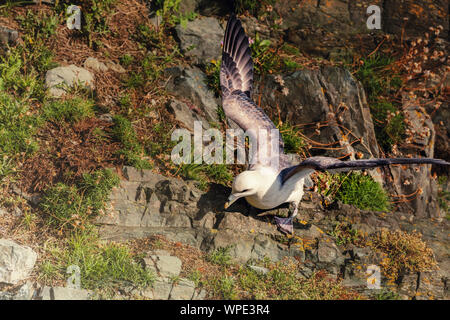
[236,72]
[325,163]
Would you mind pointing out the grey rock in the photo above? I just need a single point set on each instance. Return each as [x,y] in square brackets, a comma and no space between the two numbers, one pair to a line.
[327,251]
[400,19]
[161,289]
[25,292]
[164,264]
[16,261]
[182,290]
[186,115]
[57,78]
[95,65]
[200,295]
[311,93]
[190,83]
[8,36]
[115,67]
[200,39]
[64,293]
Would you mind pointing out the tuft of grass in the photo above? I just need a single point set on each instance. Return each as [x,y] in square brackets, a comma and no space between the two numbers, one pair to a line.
[38,28]
[386,294]
[355,189]
[17,127]
[70,111]
[15,81]
[293,142]
[204,173]
[220,256]
[403,252]
[73,207]
[132,150]
[104,266]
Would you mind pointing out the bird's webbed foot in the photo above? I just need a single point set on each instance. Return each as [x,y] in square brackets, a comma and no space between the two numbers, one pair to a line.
[285,225]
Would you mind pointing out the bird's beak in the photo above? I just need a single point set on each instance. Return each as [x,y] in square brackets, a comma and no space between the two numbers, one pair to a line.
[231,199]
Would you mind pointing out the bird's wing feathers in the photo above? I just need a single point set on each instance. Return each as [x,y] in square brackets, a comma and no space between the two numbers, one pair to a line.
[236,81]
[236,72]
[325,163]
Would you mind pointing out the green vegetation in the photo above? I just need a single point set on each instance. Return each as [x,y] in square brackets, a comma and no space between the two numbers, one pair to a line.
[17,127]
[96,14]
[70,111]
[344,233]
[265,59]
[282,281]
[212,71]
[204,173]
[355,189]
[103,266]
[220,256]
[379,83]
[169,11]
[132,150]
[404,252]
[72,207]
[293,142]
[386,294]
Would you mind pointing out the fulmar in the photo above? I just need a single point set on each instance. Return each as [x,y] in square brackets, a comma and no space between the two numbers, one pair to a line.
[267,184]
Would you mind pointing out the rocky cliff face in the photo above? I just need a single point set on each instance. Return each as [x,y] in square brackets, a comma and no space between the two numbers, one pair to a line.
[319,70]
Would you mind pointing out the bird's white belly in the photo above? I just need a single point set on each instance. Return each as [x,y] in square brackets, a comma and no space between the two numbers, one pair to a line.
[272,193]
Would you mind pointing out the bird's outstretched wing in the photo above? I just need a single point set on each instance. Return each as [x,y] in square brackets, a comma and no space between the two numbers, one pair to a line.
[236,72]
[236,81]
[326,163]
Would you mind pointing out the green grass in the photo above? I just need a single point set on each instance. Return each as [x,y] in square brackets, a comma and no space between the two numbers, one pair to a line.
[213,76]
[356,189]
[17,127]
[132,150]
[204,173]
[73,206]
[70,111]
[220,256]
[293,142]
[104,266]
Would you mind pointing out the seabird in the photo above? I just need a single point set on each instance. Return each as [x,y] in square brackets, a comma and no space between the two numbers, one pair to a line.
[265,185]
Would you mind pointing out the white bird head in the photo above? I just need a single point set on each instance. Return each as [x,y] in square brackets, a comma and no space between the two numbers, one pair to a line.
[245,184]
